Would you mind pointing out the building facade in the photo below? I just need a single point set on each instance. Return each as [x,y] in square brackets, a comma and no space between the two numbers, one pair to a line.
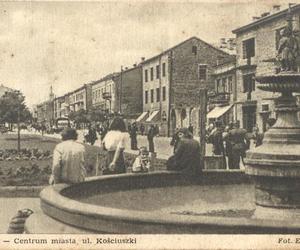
[172,81]
[80,98]
[104,93]
[256,45]
[221,101]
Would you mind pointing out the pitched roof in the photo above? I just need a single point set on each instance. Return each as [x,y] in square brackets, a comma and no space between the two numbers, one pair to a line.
[179,44]
[266,19]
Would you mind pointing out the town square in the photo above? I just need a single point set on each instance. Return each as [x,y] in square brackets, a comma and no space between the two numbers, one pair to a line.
[150,118]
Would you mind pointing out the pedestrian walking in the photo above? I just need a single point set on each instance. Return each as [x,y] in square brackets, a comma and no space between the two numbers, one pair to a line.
[216,139]
[150,136]
[142,129]
[228,145]
[68,159]
[114,144]
[191,129]
[91,137]
[238,140]
[133,136]
[156,130]
[175,140]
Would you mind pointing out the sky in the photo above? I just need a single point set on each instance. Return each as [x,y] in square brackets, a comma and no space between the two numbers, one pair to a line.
[67,44]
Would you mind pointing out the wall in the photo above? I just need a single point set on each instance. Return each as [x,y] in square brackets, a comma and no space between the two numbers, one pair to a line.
[265,49]
[131,92]
[162,81]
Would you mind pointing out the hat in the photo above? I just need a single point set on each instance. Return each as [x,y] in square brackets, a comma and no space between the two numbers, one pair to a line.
[69,134]
[186,133]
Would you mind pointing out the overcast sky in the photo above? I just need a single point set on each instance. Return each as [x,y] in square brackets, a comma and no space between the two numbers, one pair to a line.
[67,44]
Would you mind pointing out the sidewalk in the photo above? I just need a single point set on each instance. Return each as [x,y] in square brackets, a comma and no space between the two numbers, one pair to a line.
[161,144]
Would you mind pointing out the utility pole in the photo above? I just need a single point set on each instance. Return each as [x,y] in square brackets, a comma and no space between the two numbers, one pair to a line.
[202,123]
[18,127]
[120,92]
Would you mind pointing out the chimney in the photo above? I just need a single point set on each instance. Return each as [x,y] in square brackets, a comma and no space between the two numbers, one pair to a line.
[142,59]
[265,14]
[126,68]
[276,8]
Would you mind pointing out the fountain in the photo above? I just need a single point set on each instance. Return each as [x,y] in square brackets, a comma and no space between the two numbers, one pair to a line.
[215,202]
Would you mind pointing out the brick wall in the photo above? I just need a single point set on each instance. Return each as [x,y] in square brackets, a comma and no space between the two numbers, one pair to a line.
[184,70]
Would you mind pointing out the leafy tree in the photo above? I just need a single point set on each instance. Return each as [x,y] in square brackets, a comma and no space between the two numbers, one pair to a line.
[79,116]
[96,115]
[13,108]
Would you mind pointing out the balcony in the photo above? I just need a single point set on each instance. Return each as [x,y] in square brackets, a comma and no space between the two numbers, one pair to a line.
[219,98]
[106,96]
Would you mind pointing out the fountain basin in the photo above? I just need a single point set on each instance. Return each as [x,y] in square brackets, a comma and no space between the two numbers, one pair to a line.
[160,203]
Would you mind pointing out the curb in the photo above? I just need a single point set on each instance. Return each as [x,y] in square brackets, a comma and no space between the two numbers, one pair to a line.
[20,191]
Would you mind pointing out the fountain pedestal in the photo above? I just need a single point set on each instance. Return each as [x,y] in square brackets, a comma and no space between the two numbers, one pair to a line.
[275,165]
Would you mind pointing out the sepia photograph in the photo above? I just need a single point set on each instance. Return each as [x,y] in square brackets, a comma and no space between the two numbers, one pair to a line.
[150,124]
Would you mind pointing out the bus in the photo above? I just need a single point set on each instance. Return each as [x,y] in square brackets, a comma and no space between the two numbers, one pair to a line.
[61,123]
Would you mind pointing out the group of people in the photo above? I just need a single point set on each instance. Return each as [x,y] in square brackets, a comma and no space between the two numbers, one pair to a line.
[69,155]
[133,132]
[232,142]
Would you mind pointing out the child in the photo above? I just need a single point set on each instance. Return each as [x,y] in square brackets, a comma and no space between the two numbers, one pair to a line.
[142,161]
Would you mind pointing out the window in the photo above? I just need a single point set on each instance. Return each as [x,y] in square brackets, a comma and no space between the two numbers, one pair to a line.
[248,83]
[146,96]
[157,94]
[229,84]
[164,69]
[224,80]
[151,74]
[249,48]
[146,75]
[152,95]
[157,72]
[218,85]
[164,93]
[203,72]
[277,37]
[194,50]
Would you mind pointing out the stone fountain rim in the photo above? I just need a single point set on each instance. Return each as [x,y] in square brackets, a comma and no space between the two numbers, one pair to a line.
[53,200]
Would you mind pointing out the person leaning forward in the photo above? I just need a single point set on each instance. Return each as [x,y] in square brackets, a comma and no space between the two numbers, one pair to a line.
[186,158]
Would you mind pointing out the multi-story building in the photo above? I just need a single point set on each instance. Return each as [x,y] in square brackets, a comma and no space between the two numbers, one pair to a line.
[80,98]
[172,80]
[256,45]
[104,93]
[222,99]
[120,92]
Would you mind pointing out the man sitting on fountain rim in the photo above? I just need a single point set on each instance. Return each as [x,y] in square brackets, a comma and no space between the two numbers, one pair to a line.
[186,158]
[68,159]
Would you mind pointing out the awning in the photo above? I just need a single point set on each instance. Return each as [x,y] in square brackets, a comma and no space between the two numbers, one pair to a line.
[218,112]
[153,115]
[142,117]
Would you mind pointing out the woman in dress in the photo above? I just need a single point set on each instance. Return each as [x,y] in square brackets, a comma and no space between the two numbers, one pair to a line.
[114,144]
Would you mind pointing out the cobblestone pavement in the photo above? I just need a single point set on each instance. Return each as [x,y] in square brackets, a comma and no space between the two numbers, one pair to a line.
[10,207]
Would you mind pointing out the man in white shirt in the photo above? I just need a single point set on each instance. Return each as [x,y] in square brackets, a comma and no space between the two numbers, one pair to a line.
[68,159]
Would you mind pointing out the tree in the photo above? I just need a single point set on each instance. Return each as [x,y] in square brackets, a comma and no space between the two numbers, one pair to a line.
[96,115]
[79,116]
[14,110]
